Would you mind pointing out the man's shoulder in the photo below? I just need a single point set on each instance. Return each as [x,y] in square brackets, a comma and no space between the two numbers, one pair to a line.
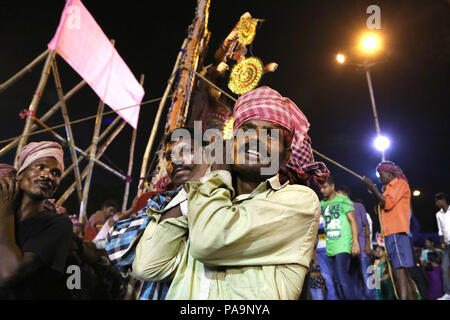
[298,190]
[57,220]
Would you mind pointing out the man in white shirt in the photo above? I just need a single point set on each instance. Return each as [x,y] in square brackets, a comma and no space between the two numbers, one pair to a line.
[443,222]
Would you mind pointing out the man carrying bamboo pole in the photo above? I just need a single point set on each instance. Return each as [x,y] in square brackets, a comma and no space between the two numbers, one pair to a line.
[251,231]
[395,204]
[34,243]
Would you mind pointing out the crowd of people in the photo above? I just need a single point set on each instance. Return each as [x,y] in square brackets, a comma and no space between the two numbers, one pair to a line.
[219,231]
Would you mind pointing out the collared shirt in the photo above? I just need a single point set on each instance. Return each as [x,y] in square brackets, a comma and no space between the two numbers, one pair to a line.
[254,246]
[443,222]
[395,216]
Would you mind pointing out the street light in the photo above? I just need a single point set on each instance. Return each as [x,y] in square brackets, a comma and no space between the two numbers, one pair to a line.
[340,58]
[382,143]
[369,44]
[416,193]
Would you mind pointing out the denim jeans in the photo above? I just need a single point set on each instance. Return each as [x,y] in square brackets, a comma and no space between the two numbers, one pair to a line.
[340,266]
[316,294]
[369,294]
[445,265]
[327,275]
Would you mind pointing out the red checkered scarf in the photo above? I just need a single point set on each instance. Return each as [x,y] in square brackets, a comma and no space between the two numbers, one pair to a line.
[267,104]
[388,166]
[5,169]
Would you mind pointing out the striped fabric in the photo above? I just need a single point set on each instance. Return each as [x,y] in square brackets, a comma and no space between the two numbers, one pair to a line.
[121,242]
[267,104]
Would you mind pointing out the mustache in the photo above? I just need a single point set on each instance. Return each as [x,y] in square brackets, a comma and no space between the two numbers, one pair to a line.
[180,167]
[261,149]
[45,181]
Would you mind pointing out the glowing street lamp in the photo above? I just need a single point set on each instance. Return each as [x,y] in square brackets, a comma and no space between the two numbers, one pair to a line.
[340,58]
[370,43]
[416,193]
[382,143]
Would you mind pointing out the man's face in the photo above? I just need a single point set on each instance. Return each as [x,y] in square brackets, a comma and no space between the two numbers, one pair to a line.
[41,178]
[440,203]
[386,177]
[109,211]
[428,244]
[180,161]
[261,147]
[327,189]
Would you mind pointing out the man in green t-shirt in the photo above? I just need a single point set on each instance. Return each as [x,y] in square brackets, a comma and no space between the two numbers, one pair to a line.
[341,233]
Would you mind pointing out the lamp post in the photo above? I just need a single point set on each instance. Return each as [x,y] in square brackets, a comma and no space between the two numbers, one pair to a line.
[369,44]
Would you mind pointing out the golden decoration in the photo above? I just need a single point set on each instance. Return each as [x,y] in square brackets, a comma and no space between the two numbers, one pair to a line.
[245,75]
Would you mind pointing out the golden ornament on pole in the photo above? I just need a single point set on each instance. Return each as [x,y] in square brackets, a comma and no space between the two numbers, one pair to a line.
[245,75]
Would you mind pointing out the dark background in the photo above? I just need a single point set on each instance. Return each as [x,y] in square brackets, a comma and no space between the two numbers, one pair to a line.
[303,37]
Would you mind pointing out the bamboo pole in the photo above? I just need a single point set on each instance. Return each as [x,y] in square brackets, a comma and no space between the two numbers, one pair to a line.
[22,72]
[92,152]
[45,117]
[100,152]
[82,157]
[69,134]
[338,164]
[130,162]
[90,166]
[35,102]
[158,117]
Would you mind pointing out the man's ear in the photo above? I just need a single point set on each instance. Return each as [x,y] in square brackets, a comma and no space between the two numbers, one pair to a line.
[286,156]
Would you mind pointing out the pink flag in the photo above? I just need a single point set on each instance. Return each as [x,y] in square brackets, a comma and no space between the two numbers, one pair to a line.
[84,46]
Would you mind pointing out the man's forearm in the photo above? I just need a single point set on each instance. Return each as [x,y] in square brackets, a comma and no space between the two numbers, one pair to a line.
[10,254]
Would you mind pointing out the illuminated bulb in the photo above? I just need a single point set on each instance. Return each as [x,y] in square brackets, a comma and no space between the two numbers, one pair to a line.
[340,58]
[381,143]
[228,129]
[370,43]
[416,193]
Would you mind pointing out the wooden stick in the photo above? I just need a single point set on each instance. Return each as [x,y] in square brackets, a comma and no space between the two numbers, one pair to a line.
[69,134]
[87,182]
[130,162]
[338,164]
[35,102]
[151,139]
[22,72]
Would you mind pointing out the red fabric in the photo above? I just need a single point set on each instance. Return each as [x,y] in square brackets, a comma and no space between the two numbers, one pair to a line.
[391,167]
[267,104]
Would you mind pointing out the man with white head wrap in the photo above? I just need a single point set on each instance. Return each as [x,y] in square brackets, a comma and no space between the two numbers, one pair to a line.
[34,243]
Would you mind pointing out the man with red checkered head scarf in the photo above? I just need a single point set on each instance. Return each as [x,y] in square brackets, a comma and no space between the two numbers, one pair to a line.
[35,242]
[395,204]
[250,235]
[265,108]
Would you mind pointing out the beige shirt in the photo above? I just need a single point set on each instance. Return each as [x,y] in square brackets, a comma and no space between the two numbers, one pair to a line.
[254,246]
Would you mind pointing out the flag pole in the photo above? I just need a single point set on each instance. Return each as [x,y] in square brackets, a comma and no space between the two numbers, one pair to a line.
[70,139]
[130,162]
[92,152]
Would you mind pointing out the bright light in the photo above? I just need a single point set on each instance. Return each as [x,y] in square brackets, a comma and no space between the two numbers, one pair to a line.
[340,58]
[370,43]
[416,193]
[381,143]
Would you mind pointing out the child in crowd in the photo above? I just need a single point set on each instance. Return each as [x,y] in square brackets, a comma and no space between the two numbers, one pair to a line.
[433,274]
[385,289]
[316,281]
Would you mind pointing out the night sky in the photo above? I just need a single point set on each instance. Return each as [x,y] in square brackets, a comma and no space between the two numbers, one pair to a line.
[303,37]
